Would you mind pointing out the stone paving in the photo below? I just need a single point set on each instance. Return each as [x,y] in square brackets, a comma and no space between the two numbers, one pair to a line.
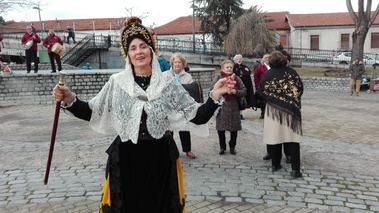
[340,158]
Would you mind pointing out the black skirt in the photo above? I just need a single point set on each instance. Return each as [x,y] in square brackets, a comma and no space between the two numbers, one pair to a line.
[143,177]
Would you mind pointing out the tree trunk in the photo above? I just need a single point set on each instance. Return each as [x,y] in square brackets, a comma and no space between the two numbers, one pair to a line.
[359,37]
[362,21]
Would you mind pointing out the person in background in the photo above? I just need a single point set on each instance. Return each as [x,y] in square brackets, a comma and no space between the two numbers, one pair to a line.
[288,56]
[282,89]
[163,63]
[244,73]
[357,68]
[279,47]
[87,66]
[228,118]
[30,40]
[71,34]
[178,64]
[1,41]
[48,42]
[258,72]
[34,30]
[143,172]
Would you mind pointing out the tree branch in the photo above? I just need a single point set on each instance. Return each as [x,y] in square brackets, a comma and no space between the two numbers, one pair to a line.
[373,17]
[352,14]
[6,5]
[368,9]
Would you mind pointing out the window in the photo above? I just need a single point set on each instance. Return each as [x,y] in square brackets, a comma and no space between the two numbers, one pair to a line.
[374,40]
[345,41]
[283,40]
[315,42]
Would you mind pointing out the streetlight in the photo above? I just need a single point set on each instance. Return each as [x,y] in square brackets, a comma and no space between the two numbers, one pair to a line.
[193,25]
[40,20]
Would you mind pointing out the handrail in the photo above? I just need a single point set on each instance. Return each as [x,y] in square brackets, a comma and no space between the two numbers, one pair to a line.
[79,51]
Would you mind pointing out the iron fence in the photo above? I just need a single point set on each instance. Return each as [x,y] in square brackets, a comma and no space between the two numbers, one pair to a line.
[298,55]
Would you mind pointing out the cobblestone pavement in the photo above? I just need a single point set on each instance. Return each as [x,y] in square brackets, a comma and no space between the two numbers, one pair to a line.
[340,156]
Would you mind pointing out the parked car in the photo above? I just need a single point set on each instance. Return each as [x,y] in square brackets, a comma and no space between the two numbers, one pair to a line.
[318,58]
[345,57]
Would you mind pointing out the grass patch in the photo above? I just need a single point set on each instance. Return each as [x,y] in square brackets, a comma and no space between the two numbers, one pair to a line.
[310,71]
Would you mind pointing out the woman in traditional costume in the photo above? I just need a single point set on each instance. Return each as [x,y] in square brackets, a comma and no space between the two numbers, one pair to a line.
[143,172]
[282,89]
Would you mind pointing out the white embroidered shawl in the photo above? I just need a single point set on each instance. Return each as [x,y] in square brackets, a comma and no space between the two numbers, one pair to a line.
[117,108]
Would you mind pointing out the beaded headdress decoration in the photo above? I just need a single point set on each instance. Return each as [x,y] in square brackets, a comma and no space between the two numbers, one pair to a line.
[134,29]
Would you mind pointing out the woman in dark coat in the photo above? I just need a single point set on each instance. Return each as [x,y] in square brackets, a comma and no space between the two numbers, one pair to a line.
[228,117]
[244,73]
[143,172]
[282,89]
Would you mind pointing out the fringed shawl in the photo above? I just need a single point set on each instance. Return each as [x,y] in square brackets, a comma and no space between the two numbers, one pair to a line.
[282,88]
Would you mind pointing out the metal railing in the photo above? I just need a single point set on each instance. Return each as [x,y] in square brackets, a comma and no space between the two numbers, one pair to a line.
[299,55]
[175,45]
[82,49]
[89,42]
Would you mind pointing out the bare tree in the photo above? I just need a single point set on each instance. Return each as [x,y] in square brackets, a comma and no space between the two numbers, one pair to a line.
[362,21]
[249,34]
[7,5]
[129,12]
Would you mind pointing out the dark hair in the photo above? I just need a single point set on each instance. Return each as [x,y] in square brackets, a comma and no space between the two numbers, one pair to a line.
[277,59]
[287,55]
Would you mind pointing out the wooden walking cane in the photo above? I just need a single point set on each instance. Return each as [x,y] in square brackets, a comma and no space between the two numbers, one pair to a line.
[53,133]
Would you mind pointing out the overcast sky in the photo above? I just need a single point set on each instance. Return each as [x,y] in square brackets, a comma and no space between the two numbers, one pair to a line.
[162,11]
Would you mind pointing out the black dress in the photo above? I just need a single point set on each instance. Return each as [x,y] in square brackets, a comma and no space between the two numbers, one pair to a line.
[143,177]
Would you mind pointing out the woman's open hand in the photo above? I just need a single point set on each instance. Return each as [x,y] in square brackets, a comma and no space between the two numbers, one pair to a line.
[63,93]
[224,86]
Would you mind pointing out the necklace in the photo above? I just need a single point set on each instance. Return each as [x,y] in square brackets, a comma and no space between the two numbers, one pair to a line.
[142,81]
[142,75]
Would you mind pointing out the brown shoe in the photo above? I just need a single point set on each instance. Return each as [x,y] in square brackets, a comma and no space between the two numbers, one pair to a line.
[190,155]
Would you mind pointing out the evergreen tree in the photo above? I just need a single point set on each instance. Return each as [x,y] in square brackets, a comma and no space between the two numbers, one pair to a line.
[216,16]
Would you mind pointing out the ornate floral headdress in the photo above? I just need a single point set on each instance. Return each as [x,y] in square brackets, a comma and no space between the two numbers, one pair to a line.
[134,29]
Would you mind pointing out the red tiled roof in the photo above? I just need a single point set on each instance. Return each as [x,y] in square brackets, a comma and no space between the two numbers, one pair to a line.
[276,20]
[60,25]
[322,19]
[181,25]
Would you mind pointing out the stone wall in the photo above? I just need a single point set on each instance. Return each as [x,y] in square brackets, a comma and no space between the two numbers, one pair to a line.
[326,83]
[37,88]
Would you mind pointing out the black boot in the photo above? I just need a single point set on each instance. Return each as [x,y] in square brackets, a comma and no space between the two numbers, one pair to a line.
[276,168]
[267,157]
[232,151]
[296,174]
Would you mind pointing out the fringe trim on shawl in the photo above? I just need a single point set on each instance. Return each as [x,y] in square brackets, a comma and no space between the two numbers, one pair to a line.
[284,117]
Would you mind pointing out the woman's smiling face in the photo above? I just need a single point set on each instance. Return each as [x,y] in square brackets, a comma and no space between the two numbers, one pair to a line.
[139,53]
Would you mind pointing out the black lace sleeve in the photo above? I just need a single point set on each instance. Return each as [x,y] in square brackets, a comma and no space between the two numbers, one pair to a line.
[205,112]
[80,109]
